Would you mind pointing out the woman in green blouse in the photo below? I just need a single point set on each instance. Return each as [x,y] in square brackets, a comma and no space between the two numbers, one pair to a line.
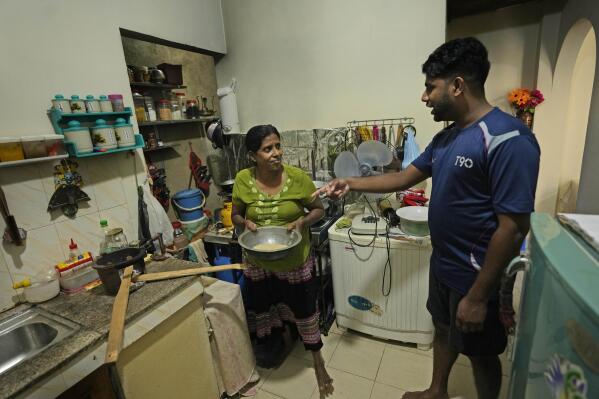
[274,194]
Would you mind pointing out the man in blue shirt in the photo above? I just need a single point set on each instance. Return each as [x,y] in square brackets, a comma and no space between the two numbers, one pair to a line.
[484,168]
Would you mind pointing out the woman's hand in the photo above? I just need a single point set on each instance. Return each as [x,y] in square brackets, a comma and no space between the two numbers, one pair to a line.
[251,226]
[298,224]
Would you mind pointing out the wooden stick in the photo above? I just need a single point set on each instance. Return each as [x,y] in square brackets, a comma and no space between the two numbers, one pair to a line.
[117,322]
[188,272]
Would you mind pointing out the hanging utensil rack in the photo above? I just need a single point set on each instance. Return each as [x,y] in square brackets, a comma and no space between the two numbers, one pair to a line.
[408,120]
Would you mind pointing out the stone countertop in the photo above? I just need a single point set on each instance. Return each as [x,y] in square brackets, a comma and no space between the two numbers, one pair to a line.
[92,311]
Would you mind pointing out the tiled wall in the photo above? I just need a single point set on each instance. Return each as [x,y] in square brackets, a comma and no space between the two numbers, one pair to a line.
[110,183]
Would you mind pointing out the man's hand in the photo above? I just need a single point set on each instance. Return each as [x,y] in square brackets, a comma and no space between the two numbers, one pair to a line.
[298,224]
[470,315]
[335,189]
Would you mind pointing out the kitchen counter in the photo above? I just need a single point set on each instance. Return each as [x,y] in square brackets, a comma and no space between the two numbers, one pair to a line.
[92,311]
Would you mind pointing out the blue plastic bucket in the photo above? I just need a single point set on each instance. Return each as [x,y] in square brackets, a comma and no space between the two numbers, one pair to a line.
[189,204]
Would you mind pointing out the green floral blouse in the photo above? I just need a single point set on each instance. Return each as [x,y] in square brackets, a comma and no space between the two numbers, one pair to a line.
[277,210]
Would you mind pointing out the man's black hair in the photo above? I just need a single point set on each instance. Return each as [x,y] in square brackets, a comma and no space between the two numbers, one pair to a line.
[465,57]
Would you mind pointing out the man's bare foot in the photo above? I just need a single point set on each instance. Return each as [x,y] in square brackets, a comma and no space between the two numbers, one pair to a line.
[324,381]
[428,394]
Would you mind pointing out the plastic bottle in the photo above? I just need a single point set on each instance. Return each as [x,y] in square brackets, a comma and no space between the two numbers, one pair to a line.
[74,252]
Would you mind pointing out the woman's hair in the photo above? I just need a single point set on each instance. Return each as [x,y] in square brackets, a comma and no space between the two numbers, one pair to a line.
[465,57]
[254,136]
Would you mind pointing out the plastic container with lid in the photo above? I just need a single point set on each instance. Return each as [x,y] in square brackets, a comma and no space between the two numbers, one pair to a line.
[75,281]
[62,104]
[103,135]
[124,133]
[91,104]
[34,146]
[41,287]
[77,105]
[117,102]
[54,145]
[176,110]
[164,110]
[79,136]
[11,149]
[105,104]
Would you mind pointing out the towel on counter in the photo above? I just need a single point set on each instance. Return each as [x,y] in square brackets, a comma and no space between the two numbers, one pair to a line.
[230,342]
[197,252]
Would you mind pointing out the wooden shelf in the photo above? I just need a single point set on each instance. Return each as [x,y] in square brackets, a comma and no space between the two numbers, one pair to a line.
[178,122]
[32,160]
[160,86]
[157,149]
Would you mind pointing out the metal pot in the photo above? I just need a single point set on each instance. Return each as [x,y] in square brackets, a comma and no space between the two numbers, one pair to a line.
[248,240]
[156,75]
[414,220]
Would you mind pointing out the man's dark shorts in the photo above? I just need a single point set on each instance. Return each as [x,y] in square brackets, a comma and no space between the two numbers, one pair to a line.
[443,305]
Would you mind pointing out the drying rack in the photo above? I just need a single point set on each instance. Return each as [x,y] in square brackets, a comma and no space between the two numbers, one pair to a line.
[382,122]
[395,141]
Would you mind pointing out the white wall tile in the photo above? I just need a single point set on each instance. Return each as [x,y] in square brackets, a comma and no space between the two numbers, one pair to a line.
[41,251]
[84,230]
[8,296]
[120,216]
[104,175]
[25,196]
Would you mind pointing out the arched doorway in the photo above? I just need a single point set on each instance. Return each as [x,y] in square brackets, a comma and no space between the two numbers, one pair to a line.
[572,91]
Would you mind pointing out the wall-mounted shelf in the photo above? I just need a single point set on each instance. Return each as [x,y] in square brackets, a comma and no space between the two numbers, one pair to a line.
[158,86]
[158,149]
[60,121]
[32,160]
[139,143]
[178,122]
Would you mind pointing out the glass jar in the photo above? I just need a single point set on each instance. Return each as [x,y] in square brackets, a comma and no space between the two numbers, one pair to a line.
[151,112]
[117,102]
[192,109]
[77,105]
[164,110]
[152,141]
[181,99]
[115,240]
[140,107]
[176,110]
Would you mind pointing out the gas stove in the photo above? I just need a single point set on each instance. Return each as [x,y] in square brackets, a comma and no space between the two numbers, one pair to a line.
[319,231]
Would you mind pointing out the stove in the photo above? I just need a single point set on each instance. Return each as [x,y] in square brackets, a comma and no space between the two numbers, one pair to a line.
[319,231]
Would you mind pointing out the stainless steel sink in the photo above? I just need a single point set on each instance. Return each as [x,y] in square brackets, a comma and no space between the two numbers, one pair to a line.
[25,334]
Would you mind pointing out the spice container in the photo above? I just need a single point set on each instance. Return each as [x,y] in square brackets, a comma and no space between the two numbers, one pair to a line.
[124,133]
[55,145]
[164,110]
[91,104]
[139,105]
[117,102]
[62,104]
[34,146]
[176,110]
[192,110]
[181,99]
[151,112]
[142,74]
[152,142]
[103,135]
[77,105]
[105,104]
[79,136]
[11,149]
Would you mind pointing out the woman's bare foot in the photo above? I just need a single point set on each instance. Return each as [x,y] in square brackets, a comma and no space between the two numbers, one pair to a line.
[324,381]
[428,394]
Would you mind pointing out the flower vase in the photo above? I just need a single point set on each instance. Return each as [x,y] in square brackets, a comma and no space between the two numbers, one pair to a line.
[526,117]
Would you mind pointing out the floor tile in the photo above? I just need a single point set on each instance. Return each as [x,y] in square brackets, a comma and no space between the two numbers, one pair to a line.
[265,395]
[335,329]
[330,343]
[264,373]
[295,379]
[382,391]
[358,355]
[405,369]
[347,386]
[396,345]
[461,383]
